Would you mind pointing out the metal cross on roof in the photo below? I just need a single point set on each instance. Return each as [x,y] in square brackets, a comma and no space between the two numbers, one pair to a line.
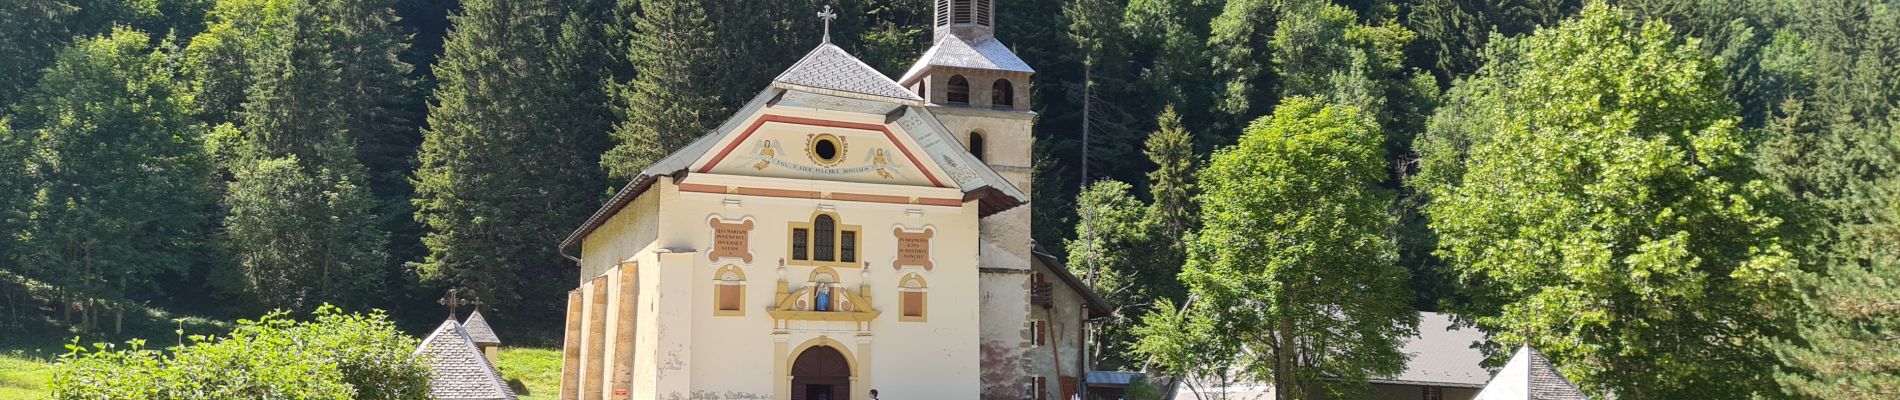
[453,300]
[827,15]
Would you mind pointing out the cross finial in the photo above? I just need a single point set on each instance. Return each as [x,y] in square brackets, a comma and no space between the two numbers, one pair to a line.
[453,300]
[827,15]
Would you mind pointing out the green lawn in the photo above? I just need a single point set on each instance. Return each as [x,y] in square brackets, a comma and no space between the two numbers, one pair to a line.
[537,369]
[23,377]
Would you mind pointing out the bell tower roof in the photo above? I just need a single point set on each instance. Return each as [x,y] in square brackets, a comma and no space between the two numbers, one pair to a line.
[986,54]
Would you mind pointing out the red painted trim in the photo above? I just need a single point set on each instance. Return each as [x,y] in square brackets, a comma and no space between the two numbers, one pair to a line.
[701,188]
[806,194]
[824,123]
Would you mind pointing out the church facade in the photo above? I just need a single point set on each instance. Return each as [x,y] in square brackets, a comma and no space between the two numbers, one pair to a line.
[842,232]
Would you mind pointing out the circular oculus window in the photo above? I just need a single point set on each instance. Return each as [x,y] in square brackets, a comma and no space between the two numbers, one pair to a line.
[825,149]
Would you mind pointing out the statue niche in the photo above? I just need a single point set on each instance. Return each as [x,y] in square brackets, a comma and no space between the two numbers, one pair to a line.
[822,298]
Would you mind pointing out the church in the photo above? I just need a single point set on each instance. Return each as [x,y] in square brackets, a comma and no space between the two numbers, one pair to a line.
[841,233]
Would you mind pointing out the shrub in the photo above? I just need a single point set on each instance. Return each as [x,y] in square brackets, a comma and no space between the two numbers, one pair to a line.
[336,356]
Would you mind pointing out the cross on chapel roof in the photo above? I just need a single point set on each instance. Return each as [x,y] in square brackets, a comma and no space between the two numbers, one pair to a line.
[453,299]
[827,15]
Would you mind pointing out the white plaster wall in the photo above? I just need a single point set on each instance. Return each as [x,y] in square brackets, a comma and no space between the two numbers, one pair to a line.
[732,356]
[1064,319]
[623,235]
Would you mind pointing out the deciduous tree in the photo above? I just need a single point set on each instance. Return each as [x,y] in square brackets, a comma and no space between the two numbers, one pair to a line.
[1295,256]
[114,175]
[1593,195]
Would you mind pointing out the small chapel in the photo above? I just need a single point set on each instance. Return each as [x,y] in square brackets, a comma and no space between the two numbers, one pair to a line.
[840,234]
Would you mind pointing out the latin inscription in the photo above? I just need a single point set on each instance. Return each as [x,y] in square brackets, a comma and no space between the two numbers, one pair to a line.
[731,240]
[913,248]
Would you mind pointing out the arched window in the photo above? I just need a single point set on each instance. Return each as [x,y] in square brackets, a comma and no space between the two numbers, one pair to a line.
[959,91]
[976,145]
[1002,94]
[729,291]
[824,242]
[912,298]
[825,228]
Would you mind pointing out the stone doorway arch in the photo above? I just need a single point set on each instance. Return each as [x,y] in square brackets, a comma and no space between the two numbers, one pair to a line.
[821,372]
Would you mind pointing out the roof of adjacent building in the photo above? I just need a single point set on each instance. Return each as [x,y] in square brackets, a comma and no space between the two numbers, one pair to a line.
[832,69]
[461,372]
[1098,308]
[1111,378]
[1530,376]
[1443,354]
[478,329]
[952,51]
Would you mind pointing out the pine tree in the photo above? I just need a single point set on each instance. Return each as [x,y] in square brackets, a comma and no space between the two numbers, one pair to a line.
[511,159]
[116,178]
[1836,150]
[309,83]
[1171,183]
[674,98]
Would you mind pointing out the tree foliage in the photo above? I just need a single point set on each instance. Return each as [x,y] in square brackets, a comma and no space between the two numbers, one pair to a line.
[1593,195]
[115,181]
[1295,258]
[316,83]
[1837,151]
[288,224]
[520,117]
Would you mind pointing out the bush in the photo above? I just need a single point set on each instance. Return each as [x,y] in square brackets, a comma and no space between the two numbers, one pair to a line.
[337,356]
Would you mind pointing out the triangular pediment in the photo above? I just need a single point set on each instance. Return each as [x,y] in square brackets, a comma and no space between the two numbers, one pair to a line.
[797,140]
[878,135]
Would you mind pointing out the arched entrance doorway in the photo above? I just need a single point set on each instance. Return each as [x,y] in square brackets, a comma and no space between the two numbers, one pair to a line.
[821,373]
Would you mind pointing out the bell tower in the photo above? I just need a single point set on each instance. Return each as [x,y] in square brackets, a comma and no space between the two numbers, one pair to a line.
[970,19]
[979,89]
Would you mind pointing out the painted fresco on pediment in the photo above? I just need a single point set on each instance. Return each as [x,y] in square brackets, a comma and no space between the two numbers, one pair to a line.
[803,148]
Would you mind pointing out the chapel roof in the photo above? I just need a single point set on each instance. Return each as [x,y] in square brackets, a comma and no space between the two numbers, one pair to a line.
[461,372]
[1530,376]
[821,74]
[952,51]
[830,69]
[478,329]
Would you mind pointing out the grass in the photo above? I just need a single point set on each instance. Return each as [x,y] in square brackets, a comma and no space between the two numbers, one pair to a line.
[537,369]
[24,376]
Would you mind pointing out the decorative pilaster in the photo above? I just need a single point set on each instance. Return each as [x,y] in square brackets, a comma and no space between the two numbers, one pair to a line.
[781,367]
[861,383]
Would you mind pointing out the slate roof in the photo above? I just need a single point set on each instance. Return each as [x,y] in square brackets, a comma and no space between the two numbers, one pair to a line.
[1530,376]
[951,51]
[1546,383]
[1442,355]
[831,68]
[461,372]
[478,329]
